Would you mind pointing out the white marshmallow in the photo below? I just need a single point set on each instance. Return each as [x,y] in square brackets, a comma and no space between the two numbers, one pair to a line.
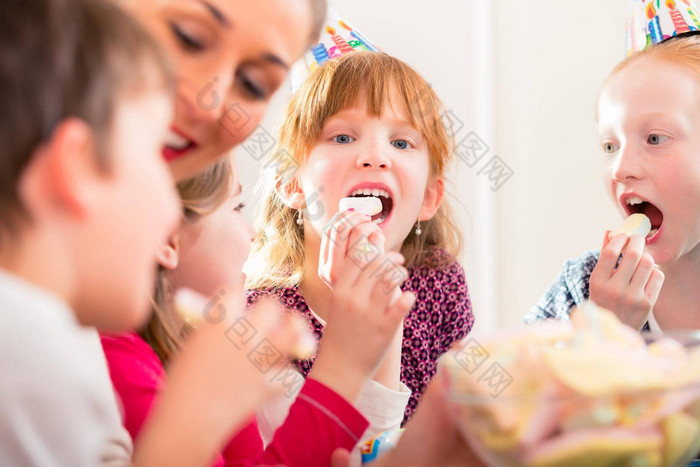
[190,306]
[634,224]
[368,205]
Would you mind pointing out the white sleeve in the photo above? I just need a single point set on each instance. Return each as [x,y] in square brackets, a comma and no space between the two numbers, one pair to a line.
[384,408]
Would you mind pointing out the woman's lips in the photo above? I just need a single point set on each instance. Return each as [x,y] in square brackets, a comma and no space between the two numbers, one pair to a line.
[170,153]
[177,144]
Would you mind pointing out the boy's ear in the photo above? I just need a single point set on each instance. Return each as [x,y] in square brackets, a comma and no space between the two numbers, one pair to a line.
[64,171]
[432,198]
[168,254]
[290,193]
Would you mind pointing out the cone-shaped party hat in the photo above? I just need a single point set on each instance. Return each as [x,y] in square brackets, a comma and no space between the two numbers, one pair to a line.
[652,21]
[338,37]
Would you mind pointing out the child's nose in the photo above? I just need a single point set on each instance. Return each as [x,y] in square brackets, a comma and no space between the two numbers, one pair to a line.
[627,165]
[373,157]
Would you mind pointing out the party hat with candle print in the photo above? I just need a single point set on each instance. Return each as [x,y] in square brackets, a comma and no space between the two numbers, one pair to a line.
[652,21]
[338,37]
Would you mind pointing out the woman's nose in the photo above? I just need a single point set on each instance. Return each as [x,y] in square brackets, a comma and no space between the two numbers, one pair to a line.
[205,100]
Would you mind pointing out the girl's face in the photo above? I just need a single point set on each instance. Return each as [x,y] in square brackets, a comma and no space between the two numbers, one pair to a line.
[230,56]
[214,247]
[358,154]
[649,127]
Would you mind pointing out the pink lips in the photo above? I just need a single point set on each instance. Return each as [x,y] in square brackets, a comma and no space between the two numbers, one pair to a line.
[170,153]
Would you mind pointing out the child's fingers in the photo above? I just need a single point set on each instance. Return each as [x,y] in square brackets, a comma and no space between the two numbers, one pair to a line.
[340,458]
[340,234]
[642,273]
[365,243]
[288,333]
[630,260]
[609,255]
[402,306]
[380,277]
[388,277]
[606,238]
[654,284]
[323,252]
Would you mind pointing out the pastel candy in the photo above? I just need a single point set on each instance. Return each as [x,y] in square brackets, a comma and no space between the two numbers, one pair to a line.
[614,446]
[368,205]
[682,433]
[306,345]
[634,224]
[190,306]
[584,392]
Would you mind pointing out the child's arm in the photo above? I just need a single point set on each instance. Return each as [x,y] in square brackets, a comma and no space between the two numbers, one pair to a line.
[628,289]
[431,437]
[351,244]
[214,385]
[569,290]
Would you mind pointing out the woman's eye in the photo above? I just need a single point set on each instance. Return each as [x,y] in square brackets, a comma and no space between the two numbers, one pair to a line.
[186,40]
[251,87]
[655,139]
[343,139]
[400,144]
[610,148]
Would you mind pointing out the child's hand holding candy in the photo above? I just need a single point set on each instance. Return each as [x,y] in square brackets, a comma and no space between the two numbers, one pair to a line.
[631,287]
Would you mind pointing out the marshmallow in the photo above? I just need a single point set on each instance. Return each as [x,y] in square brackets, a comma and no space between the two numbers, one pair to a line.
[190,306]
[584,392]
[368,205]
[634,224]
[305,347]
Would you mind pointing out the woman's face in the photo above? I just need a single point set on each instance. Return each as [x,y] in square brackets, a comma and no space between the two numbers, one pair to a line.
[230,56]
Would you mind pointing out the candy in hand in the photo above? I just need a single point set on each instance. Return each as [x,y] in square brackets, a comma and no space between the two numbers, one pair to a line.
[192,307]
[634,224]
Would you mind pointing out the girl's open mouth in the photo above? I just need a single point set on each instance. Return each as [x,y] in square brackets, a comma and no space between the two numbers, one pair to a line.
[635,204]
[382,195]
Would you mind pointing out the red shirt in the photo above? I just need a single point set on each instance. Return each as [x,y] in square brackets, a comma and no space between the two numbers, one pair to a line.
[319,421]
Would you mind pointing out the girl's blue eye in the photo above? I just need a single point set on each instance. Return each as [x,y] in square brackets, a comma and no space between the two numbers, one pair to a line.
[655,139]
[343,139]
[186,40]
[400,144]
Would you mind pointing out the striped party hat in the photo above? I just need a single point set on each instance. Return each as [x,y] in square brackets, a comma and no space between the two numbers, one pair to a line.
[652,21]
[338,37]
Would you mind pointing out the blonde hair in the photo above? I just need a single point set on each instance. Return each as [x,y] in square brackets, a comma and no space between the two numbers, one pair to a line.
[277,255]
[201,195]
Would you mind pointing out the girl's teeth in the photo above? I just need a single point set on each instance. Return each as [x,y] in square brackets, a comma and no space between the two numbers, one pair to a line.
[652,232]
[176,141]
[370,192]
[634,200]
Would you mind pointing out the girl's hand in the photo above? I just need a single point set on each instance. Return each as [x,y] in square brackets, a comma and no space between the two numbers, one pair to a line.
[216,382]
[631,290]
[349,241]
[361,323]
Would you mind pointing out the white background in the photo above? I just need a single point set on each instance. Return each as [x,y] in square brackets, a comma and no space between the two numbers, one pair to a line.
[524,76]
